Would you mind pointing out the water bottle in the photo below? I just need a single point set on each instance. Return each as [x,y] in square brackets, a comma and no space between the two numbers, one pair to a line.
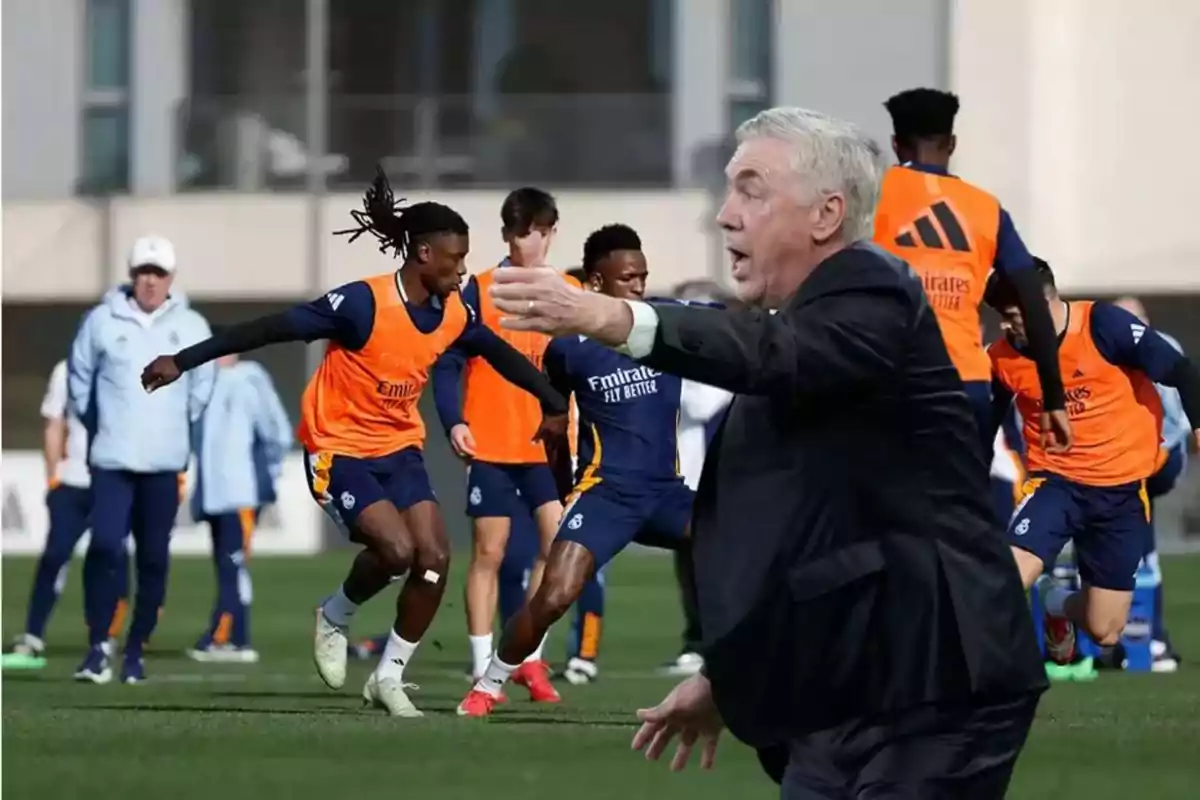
[1137,635]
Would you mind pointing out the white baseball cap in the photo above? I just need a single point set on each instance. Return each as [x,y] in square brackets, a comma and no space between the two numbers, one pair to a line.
[152,251]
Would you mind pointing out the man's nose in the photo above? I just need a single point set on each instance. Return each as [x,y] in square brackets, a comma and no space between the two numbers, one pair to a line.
[727,218]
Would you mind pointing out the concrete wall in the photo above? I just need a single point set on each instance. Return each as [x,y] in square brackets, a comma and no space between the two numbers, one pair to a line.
[43,61]
[246,246]
[1080,115]
[846,58]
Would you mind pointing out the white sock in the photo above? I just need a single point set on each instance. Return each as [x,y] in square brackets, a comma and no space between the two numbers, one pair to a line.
[481,653]
[536,655]
[495,676]
[396,655]
[338,609]
[1056,599]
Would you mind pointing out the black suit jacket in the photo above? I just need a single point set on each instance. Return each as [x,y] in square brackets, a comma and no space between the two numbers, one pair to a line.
[847,560]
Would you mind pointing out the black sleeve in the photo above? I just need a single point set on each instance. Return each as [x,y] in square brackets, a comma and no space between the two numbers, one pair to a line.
[512,366]
[240,338]
[837,344]
[1040,333]
[554,363]
[558,450]
[1185,377]
[346,316]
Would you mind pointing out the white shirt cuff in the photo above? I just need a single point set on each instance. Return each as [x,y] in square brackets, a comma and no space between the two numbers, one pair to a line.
[641,335]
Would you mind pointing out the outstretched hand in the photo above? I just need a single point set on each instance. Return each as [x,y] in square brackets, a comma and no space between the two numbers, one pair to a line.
[688,712]
[538,299]
[160,372]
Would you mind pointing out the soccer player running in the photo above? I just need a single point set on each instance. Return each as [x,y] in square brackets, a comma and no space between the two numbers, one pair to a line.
[362,431]
[953,234]
[1094,494]
[628,486]
[492,427]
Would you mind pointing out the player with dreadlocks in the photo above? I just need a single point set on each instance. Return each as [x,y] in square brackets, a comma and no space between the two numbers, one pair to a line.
[360,426]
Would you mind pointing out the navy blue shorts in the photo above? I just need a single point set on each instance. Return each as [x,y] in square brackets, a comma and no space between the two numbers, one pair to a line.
[508,490]
[1163,481]
[606,516]
[1109,526]
[343,485]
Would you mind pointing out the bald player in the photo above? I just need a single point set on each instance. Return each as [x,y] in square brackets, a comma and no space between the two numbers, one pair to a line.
[1094,494]
[953,234]
[360,426]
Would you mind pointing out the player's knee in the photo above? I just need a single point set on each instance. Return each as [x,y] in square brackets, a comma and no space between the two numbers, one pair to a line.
[433,562]
[396,555]
[1106,631]
[488,554]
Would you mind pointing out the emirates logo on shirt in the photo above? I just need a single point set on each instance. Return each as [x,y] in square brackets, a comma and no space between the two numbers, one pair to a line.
[397,395]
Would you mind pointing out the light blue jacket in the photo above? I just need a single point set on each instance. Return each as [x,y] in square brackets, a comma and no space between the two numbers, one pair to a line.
[1176,427]
[132,430]
[241,441]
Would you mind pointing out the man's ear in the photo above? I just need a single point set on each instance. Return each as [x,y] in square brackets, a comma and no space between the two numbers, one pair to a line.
[828,216]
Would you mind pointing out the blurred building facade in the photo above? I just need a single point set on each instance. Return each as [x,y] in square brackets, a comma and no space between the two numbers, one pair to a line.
[192,119]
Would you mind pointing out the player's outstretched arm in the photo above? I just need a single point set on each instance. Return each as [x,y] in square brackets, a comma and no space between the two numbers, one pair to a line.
[240,338]
[346,315]
[1126,341]
[515,368]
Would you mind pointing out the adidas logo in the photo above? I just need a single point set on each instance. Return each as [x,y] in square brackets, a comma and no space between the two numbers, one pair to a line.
[926,227]
[1078,373]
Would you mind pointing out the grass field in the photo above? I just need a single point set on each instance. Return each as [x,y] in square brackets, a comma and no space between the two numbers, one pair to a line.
[226,733]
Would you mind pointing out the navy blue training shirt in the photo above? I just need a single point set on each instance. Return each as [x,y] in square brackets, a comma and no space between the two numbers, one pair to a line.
[346,315]
[1122,340]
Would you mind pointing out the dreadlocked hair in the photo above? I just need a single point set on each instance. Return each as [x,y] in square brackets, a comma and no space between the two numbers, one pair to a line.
[397,226]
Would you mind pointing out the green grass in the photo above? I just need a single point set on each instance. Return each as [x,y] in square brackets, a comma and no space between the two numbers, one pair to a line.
[226,733]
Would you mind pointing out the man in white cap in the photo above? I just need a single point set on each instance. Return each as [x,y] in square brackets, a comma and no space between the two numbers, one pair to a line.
[140,443]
